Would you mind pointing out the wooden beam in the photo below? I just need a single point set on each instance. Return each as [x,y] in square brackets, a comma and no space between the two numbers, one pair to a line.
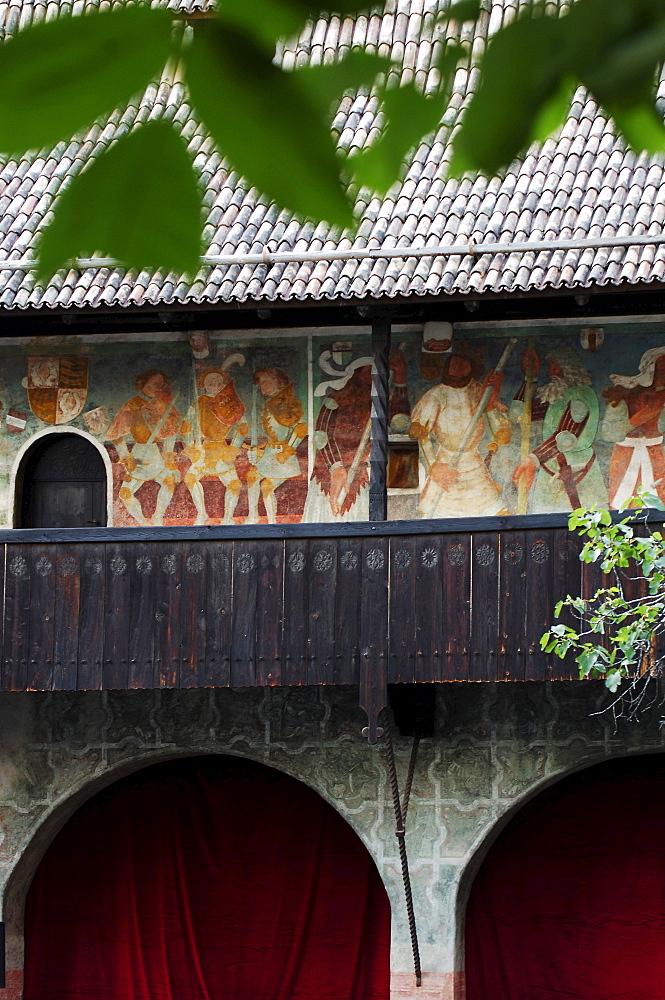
[378,461]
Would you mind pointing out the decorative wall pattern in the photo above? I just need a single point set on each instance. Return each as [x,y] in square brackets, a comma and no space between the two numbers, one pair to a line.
[494,745]
[233,429]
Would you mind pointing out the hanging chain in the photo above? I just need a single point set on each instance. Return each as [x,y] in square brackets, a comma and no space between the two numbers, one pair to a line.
[400,818]
[409,778]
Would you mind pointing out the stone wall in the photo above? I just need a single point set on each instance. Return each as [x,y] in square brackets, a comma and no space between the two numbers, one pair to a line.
[495,745]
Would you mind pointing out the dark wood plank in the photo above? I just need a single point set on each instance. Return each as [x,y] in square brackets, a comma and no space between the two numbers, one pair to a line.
[484,608]
[193,615]
[67,595]
[339,529]
[142,576]
[323,570]
[269,613]
[243,640]
[295,636]
[403,614]
[42,560]
[116,618]
[432,616]
[16,639]
[168,626]
[540,589]
[91,619]
[374,631]
[567,577]
[456,607]
[512,606]
[347,611]
[219,614]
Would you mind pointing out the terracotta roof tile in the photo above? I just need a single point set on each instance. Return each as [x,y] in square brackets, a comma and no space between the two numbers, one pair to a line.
[584,183]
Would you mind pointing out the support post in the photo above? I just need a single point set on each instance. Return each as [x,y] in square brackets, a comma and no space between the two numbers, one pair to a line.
[378,459]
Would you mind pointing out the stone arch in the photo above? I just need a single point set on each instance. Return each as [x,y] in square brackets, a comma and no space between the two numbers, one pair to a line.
[31,852]
[23,454]
[490,835]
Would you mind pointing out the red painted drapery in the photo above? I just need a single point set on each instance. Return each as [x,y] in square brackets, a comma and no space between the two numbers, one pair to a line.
[570,901]
[207,879]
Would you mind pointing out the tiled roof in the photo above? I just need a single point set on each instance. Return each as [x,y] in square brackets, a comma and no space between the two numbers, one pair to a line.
[582,185]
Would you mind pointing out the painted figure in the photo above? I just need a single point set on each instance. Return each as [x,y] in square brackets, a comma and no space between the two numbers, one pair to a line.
[150,422]
[634,421]
[449,422]
[339,484]
[272,451]
[562,471]
[220,413]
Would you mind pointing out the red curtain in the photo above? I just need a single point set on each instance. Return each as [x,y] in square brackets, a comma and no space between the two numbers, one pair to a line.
[207,879]
[570,901]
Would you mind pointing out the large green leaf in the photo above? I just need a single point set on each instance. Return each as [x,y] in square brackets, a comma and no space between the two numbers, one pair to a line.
[615,48]
[268,20]
[139,201]
[523,71]
[59,76]
[264,121]
[409,116]
[641,126]
[327,83]
[463,10]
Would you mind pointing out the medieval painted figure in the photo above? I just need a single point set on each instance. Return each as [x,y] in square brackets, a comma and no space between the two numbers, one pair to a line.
[449,422]
[634,421]
[272,450]
[339,484]
[562,471]
[150,423]
[222,432]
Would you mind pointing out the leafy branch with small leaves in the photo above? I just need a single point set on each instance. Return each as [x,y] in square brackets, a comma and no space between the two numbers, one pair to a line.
[140,199]
[618,631]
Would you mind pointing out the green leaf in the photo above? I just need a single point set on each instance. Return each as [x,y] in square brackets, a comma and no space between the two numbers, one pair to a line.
[521,72]
[410,116]
[269,20]
[328,82]
[553,113]
[57,77]
[642,126]
[266,124]
[613,680]
[464,10]
[117,207]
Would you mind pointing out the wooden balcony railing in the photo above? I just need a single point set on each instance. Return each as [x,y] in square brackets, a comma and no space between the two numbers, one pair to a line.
[364,604]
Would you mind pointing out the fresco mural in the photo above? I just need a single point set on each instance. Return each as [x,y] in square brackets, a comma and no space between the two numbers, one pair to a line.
[219,429]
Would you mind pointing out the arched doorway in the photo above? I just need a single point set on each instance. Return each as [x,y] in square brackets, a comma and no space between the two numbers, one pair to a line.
[211,878]
[570,899]
[62,484]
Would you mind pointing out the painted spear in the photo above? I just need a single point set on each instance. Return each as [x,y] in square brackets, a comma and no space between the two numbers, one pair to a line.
[480,409]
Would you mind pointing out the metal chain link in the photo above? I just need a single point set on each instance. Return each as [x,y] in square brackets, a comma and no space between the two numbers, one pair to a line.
[400,816]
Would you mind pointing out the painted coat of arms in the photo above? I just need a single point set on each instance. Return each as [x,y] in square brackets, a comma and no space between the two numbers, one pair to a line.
[57,388]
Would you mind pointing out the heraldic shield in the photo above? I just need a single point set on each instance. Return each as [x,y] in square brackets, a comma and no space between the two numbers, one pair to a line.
[57,388]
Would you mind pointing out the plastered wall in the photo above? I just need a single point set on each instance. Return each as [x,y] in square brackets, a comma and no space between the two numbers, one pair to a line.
[495,745]
[274,426]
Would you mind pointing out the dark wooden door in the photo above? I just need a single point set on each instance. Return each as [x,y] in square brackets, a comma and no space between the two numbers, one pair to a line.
[63,484]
